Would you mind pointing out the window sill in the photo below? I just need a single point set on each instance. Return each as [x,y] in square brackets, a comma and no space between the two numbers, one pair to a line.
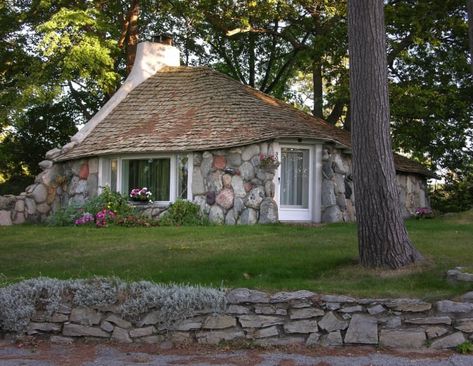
[158,204]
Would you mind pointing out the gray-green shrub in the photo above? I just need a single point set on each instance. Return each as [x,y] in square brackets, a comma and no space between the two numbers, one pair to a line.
[19,301]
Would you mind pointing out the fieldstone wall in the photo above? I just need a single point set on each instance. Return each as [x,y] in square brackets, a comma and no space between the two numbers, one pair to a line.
[284,318]
[232,187]
[413,193]
[58,185]
[338,199]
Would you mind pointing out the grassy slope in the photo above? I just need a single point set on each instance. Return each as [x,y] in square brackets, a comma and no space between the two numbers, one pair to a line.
[273,257]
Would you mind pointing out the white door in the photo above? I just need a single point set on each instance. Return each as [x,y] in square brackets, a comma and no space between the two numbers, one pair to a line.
[295,183]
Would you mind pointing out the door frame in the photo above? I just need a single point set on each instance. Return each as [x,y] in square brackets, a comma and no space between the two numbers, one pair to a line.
[313,212]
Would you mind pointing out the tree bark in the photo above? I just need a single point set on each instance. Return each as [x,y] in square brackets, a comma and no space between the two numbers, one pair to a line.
[251,59]
[318,88]
[129,34]
[470,31]
[337,112]
[382,236]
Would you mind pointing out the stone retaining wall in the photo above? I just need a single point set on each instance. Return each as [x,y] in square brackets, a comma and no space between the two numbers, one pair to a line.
[284,318]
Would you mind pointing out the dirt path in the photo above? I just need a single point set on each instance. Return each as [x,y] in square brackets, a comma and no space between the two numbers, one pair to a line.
[43,353]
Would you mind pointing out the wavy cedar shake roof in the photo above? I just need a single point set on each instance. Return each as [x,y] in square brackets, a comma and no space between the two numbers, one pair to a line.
[195,109]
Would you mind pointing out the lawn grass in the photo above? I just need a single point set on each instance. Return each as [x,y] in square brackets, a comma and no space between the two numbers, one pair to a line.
[269,257]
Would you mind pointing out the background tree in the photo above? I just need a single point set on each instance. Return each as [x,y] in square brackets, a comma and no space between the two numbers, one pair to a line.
[67,53]
[40,129]
[470,31]
[430,83]
[59,57]
[382,235]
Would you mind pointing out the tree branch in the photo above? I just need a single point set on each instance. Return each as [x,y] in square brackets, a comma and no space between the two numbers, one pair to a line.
[337,111]
[285,67]
[79,102]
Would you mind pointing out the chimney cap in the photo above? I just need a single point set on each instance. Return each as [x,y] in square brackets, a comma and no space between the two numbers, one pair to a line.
[164,38]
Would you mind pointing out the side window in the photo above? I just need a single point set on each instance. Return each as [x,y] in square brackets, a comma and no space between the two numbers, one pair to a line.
[182,176]
[154,174]
[113,174]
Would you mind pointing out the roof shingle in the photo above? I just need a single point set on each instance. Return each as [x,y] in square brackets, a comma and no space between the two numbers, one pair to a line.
[196,108]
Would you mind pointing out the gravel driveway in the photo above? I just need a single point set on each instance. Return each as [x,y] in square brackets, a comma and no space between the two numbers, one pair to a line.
[43,353]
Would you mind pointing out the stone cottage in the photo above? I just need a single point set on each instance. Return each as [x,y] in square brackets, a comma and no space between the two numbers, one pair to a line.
[193,133]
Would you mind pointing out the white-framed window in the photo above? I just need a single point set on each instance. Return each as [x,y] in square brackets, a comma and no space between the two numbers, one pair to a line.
[165,175]
[152,173]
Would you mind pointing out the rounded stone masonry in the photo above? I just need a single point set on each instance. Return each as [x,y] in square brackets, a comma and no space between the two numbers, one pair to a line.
[58,185]
[229,186]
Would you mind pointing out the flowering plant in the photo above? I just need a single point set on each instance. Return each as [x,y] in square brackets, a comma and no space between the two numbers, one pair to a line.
[140,194]
[103,216]
[86,218]
[269,161]
[423,212]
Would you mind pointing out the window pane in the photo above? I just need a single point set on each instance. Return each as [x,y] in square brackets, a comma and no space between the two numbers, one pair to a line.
[153,174]
[182,176]
[295,177]
[113,175]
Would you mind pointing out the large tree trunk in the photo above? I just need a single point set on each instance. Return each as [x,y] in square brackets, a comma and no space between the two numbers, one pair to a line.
[318,88]
[469,4]
[129,36]
[382,235]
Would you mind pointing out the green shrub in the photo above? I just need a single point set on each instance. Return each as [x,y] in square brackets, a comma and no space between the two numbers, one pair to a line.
[109,200]
[183,213]
[65,216]
[134,220]
[455,195]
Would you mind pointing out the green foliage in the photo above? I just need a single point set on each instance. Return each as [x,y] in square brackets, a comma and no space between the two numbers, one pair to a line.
[65,216]
[58,63]
[63,54]
[106,200]
[74,39]
[455,195]
[465,348]
[15,184]
[183,213]
[432,88]
[38,130]
[109,200]
[135,221]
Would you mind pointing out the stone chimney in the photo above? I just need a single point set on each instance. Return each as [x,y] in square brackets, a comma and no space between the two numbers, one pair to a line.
[150,58]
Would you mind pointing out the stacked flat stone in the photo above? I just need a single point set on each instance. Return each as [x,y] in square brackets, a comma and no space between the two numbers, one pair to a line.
[284,318]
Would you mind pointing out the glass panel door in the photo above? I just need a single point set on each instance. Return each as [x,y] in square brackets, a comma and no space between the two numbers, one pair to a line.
[295,177]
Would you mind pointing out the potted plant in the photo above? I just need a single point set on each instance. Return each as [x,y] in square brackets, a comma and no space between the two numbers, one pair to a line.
[269,162]
[142,195]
